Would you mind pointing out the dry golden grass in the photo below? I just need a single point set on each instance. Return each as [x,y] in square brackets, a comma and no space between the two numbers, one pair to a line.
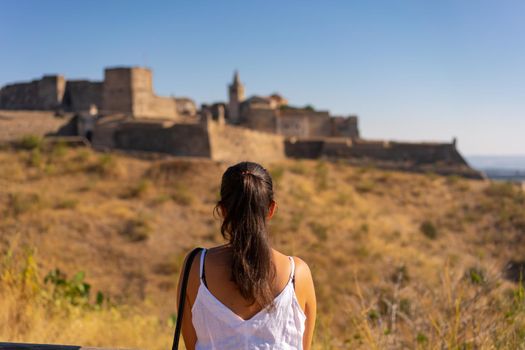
[399,260]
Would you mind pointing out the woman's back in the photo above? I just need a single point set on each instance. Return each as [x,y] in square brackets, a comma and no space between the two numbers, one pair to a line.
[243,295]
[224,320]
[216,308]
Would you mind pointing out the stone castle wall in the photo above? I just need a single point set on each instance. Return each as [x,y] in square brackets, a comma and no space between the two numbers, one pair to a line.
[14,124]
[205,139]
[345,127]
[124,90]
[262,119]
[130,91]
[116,97]
[43,94]
[188,140]
[235,144]
[315,123]
[302,123]
[413,153]
[80,95]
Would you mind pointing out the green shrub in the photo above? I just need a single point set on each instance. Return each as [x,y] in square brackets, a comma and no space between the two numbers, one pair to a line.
[139,190]
[160,199]
[400,275]
[364,186]
[476,275]
[35,158]
[106,165]
[320,231]
[321,175]
[59,149]
[82,156]
[298,168]
[296,220]
[343,199]
[428,229]
[502,190]
[75,291]
[138,229]
[182,195]
[67,203]
[30,142]
[421,338]
[20,203]
[277,173]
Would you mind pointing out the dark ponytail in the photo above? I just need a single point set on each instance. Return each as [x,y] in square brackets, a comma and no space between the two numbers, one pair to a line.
[246,196]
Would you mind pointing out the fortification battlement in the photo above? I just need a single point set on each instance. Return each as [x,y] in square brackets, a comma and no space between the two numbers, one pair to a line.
[124,90]
[42,94]
[135,118]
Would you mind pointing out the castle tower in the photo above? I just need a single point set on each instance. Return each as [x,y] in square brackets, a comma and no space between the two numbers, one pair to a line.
[236,96]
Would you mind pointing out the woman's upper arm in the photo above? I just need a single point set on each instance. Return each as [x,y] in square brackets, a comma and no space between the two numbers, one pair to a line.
[305,291]
[188,332]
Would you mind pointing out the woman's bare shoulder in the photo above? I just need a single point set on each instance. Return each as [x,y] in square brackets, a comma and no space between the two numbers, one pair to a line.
[301,267]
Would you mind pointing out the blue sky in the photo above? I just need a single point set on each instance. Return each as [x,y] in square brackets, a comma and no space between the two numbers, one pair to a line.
[411,70]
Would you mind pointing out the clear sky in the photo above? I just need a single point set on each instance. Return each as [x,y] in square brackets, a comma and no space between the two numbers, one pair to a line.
[411,70]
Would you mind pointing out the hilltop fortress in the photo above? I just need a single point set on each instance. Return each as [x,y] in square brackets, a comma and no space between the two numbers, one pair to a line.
[123,112]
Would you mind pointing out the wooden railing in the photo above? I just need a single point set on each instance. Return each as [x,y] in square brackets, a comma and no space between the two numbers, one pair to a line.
[27,346]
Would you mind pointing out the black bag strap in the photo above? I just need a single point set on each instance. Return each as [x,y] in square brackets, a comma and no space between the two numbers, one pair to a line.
[182,296]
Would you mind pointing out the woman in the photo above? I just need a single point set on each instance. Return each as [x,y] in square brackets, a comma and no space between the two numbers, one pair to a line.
[245,294]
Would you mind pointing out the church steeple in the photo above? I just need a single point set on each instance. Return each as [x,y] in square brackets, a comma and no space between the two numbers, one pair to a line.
[236,79]
[236,96]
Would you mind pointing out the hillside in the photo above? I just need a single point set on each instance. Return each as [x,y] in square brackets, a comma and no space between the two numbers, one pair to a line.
[399,260]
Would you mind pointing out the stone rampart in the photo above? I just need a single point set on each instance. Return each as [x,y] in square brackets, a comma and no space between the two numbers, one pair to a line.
[42,94]
[234,144]
[308,149]
[17,124]
[116,97]
[414,153]
[130,91]
[345,127]
[189,140]
[80,95]
[261,119]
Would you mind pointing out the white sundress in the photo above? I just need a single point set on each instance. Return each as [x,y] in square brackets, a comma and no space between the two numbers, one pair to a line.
[219,328]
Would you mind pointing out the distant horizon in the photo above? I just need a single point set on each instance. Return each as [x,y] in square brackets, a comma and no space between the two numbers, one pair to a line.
[410,71]
[492,163]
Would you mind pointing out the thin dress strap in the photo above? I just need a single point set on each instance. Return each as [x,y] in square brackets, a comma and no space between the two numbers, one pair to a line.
[292,272]
[201,266]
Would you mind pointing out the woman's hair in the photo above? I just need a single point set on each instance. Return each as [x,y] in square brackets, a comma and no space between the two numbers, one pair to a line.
[246,196]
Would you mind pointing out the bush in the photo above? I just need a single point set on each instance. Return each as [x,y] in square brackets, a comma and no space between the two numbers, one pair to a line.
[74,290]
[428,229]
[138,229]
[82,156]
[475,275]
[139,190]
[298,167]
[59,149]
[321,175]
[20,203]
[320,231]
[181,195]
[400,275]
[277,173]
[502,190]
[106,165]
[364,186]
[67,203]
[35,159]
[296,220]
[30,142]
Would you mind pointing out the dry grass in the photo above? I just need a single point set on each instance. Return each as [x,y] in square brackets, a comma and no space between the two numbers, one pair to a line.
[399,260]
